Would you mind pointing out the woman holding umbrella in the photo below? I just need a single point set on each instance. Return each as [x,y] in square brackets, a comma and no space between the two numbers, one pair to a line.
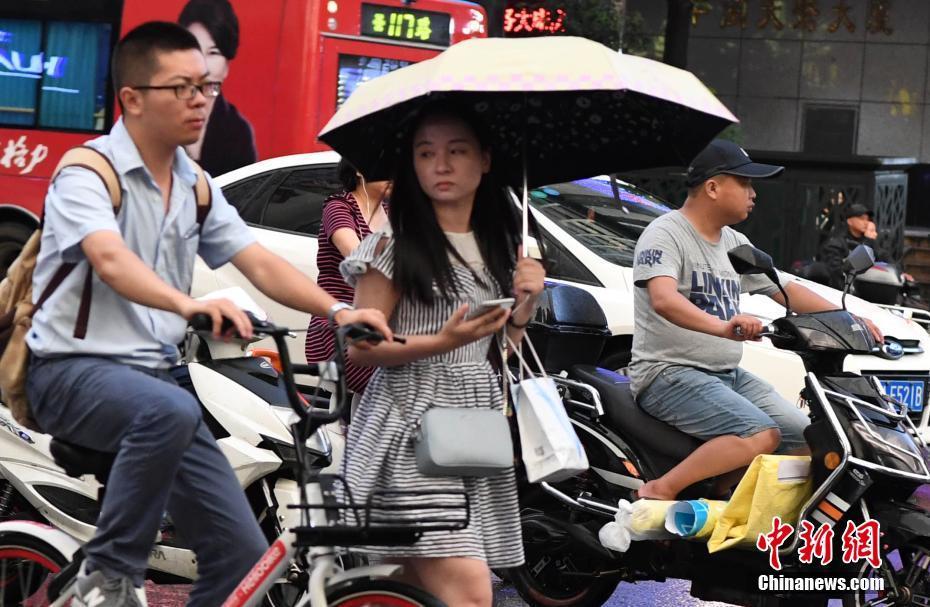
[455,244]
[553,110]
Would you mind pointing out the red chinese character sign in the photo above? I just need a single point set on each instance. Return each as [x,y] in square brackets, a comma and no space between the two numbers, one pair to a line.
[803,15]
[735,12]
[843,18]
[771,15]
[817,543]
[879,19]
[528,21]
[860,542]
[772,541]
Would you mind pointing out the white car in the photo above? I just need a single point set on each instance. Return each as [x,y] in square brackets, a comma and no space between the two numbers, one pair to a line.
[590,232]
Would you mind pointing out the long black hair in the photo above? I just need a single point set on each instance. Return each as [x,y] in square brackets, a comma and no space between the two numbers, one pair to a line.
[421,248]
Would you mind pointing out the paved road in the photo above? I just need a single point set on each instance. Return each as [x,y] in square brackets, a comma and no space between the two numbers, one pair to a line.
[673,593]
[643,594]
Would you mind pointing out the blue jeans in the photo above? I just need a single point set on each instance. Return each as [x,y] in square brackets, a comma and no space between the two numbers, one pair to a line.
[706,404]
[166,460]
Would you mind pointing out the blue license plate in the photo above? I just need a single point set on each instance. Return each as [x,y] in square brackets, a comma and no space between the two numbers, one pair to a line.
[908,392]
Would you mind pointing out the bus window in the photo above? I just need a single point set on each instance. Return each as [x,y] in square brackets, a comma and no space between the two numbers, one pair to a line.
[354,70]
[54,74]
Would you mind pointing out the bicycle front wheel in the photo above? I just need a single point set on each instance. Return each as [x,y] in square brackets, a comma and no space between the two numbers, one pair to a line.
[379,593]
[27,565]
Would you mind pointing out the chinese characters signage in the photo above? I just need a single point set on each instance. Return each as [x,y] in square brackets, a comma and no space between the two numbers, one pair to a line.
[525,21]
[801,15]
[405,24]
[18,156]
[860,542]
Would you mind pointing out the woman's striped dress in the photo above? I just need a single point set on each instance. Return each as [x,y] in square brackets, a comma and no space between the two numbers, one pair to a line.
[379,450]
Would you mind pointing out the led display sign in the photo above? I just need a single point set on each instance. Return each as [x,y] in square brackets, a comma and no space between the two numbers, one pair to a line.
[405,24]
[523,21]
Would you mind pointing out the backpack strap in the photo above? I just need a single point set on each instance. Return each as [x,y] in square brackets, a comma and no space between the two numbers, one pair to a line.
[89,158]
[203,195]
[58,278]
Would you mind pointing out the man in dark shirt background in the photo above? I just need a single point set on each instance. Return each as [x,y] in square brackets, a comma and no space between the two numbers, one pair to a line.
[860,229]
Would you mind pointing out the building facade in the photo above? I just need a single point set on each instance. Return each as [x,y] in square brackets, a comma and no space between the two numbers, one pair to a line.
[829,77]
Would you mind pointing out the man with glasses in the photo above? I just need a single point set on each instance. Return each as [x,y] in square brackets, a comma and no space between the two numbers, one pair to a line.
[116,389]
[186,92]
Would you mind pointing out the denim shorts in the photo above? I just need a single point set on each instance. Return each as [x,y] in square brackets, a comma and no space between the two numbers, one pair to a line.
[707,404]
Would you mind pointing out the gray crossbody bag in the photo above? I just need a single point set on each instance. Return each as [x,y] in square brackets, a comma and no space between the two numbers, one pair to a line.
[463,441]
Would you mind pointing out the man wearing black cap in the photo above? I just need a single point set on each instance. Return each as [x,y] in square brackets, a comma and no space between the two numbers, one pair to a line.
[860,229]
[687,339]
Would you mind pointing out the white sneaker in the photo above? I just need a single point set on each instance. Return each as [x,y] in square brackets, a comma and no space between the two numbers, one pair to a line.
[96,590]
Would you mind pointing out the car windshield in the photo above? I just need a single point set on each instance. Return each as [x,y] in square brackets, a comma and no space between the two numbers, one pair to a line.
[592,214]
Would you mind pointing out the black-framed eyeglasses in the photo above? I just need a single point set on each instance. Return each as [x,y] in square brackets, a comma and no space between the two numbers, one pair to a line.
[186,92]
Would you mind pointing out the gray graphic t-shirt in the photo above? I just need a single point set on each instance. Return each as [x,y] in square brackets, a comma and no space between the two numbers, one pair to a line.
[670,246]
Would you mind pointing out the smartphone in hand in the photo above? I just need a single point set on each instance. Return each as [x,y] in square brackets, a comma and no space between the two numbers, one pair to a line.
[486,306]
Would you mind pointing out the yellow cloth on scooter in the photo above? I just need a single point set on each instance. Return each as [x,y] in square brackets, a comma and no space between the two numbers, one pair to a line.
[774,485]
[694,519]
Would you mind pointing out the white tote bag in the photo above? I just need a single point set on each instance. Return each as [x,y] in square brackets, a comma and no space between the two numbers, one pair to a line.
[551,449]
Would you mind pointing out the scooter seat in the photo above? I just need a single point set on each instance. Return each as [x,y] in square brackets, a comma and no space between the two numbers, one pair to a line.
[631,422]
[78,461]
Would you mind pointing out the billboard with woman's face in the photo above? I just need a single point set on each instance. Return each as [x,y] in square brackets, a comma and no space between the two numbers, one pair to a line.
[227,141]
[284,66]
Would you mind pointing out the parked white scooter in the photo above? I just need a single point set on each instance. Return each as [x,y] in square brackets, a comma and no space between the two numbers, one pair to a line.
[244,404]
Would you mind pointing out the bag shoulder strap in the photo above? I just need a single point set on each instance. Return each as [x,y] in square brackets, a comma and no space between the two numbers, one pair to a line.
[91,159]
[203,195]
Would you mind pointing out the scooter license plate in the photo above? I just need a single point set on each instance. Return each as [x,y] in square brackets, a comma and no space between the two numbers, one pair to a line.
[909,392]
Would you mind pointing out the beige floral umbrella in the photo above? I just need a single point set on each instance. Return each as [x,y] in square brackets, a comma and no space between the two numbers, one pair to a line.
[557,109]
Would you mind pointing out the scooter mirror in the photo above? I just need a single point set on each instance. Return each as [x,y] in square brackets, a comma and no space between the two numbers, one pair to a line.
[861,259]
[747,259]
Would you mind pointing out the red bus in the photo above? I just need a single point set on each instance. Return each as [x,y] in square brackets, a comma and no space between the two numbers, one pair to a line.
[297,60]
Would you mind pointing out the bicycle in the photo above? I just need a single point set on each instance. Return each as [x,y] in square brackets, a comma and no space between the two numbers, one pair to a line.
[305,555]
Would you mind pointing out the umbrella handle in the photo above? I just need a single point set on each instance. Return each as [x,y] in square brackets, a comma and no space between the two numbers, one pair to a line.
[526,211]
[524,206]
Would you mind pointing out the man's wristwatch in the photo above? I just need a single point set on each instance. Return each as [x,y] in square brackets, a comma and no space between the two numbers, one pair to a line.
[335,309]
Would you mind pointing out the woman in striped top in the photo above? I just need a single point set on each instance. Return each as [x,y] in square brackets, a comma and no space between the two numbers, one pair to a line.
[348,217]
[454,244]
